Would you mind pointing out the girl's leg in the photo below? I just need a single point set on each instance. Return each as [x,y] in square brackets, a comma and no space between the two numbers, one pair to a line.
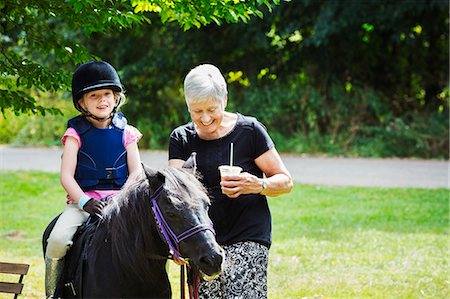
[58,243]
[60,238]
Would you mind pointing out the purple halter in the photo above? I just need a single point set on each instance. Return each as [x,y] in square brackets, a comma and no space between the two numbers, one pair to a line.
[170,237]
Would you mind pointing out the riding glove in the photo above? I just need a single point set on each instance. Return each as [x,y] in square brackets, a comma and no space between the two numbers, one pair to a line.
[94,207]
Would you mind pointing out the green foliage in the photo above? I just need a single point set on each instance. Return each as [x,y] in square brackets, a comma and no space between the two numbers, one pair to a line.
[37,130]
[408,136]
[42,41]
[20,102]
[391,243]
[59,29]
[200,13]
[359,122]
[365,78]
[333,87]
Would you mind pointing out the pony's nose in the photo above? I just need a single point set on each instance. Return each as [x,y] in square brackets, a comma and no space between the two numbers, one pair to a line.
[211,261]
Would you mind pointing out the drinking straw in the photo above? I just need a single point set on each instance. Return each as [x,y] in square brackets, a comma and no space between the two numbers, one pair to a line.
[231,154]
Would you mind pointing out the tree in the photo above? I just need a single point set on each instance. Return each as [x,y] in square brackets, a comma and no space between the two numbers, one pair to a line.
[340,73]
[42,41]
[336,75]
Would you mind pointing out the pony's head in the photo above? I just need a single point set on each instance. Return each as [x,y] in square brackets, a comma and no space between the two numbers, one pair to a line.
[181,213]
[169,202]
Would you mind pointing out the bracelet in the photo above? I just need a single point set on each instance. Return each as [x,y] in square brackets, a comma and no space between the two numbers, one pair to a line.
[264,185]
[83,200]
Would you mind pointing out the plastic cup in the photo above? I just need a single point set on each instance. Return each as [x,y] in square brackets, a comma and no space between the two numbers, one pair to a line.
[226,170]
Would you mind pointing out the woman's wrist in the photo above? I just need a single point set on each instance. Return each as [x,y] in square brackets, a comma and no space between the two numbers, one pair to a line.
[264,185]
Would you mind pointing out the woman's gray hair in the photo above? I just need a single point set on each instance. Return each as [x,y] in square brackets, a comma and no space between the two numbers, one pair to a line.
[203,83]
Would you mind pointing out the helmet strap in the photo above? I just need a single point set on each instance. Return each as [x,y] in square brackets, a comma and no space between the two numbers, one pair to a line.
[88,114]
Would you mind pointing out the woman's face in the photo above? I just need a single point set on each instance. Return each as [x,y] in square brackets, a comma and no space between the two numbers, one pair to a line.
[98,102]
[207,117]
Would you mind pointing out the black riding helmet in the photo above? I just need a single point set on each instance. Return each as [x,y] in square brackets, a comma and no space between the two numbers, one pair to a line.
[94,75]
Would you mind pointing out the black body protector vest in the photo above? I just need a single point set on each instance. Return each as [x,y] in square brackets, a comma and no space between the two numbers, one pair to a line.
[102,158]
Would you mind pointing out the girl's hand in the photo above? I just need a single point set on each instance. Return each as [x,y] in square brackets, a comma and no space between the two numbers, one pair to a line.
[94,207]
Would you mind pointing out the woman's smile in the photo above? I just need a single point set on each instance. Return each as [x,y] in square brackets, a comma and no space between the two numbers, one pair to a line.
[208,123]
[207,117]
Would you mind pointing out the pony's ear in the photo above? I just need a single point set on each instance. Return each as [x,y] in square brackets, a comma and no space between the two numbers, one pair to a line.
[191,163]
[155,178]
[147,170]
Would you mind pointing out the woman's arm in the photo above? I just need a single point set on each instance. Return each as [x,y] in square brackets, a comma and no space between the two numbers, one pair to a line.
[177,163]
[278,178]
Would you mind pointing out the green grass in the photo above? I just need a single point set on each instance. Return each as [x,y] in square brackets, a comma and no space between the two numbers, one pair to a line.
[360,243]
[328,242]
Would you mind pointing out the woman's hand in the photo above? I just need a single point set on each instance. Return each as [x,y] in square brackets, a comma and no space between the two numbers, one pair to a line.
[244,183]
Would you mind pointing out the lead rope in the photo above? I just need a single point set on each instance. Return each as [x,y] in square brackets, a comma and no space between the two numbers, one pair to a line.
[193,282]
[182,271]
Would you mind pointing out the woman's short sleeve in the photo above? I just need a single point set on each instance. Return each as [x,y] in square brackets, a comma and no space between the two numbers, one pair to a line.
[263,142]
[181,142]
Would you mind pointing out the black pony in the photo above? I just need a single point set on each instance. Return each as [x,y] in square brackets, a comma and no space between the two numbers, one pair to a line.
[126,251]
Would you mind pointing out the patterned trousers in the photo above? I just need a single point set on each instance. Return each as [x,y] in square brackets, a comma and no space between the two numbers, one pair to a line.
[244,275]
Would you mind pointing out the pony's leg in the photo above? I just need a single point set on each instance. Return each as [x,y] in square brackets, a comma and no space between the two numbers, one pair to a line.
[59,242]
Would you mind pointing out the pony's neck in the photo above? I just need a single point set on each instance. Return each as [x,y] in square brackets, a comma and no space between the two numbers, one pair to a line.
[131,229]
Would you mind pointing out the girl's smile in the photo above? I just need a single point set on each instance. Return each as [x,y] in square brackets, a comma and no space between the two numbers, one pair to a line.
[99,103]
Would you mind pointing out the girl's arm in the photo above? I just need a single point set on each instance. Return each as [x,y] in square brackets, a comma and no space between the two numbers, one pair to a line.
[133,161]
[68,166]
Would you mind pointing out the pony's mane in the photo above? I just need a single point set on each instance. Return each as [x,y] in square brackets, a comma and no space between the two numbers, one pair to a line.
[130,222]
[184,189]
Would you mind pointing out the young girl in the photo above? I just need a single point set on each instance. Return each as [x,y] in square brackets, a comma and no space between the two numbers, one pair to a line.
[100,154]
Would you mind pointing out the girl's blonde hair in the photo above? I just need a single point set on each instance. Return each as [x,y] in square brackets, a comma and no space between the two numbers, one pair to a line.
[120,98]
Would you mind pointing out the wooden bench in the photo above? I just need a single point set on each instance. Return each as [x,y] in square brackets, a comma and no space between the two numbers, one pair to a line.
[13,269]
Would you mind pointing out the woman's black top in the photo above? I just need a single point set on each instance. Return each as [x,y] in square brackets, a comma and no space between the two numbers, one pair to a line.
[246,218]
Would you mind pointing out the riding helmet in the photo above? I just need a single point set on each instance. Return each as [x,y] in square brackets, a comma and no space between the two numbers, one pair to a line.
[94,75]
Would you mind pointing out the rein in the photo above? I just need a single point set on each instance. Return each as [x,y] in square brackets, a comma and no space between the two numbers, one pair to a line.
[173,240]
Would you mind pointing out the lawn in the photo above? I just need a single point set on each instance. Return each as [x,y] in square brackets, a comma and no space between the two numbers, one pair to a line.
[328,242]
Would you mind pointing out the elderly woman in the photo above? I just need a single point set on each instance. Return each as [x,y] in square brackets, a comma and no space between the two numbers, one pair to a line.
[239,209]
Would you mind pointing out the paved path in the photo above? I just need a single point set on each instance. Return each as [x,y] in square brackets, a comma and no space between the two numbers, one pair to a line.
[321,171]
